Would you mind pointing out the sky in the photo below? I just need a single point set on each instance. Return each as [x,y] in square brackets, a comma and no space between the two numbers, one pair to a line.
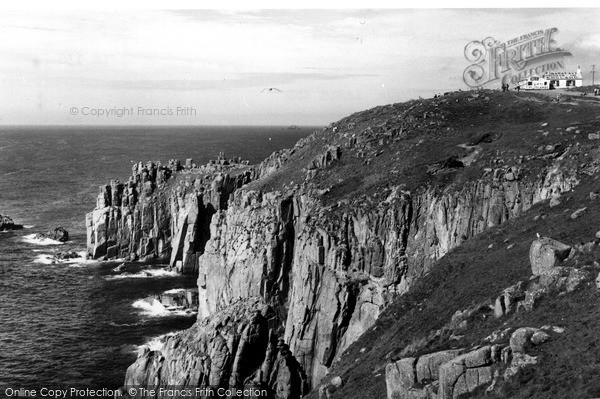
[216,67]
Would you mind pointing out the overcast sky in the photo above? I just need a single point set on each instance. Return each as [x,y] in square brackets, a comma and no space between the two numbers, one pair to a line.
[327,63]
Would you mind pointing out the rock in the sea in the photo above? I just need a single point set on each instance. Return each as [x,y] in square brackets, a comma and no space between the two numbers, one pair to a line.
[60,234]
[62,256]
[6,223]
[546,253]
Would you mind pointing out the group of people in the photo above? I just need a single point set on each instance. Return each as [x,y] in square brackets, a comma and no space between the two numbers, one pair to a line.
[505,87]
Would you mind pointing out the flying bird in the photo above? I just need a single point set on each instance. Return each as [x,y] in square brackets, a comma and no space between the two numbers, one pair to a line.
[270,89]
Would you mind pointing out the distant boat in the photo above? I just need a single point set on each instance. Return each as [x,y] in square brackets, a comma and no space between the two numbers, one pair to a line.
[293,127]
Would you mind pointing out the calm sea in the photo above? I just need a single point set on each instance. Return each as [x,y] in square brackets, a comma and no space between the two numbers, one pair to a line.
[75,325]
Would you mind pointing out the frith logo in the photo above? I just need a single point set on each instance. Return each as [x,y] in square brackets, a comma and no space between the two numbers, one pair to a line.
[514,60]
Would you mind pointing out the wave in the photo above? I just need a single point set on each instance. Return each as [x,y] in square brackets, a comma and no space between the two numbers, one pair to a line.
[146,273]
[125,324]
[156,343]
[175,291]
[154,308]
[50,259]
[33,239]
[151,307]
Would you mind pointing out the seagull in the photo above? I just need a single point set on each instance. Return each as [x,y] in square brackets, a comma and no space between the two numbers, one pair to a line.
[270,89]
[362,22]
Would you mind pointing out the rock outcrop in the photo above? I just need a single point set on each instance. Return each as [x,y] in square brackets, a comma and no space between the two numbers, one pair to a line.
[546,253]
[238,347]
[181,300]
[60,234]
[6,223]
[153,216]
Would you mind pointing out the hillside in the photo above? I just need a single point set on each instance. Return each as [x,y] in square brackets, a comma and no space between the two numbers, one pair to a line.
[475,273]
[346,253]
[423,143]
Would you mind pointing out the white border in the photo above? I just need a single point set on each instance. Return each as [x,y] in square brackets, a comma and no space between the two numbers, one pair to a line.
[278,4]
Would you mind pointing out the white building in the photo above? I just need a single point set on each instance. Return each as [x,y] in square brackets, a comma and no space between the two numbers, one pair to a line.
[534,83]
[560,80]
[552,80]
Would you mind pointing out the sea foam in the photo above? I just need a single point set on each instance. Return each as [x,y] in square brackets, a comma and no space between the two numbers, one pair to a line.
[146,273]
[32,239]
[156,343]
[154,308]
[50,259]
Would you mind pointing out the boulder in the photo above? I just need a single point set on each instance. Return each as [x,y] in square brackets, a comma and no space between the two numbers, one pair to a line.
[555,201]
[519,361]
[63,256]
[337,381]
[6,223]
[578,213]
[525,337]
[465,373]
[508,300]
[400,376]
[428,365]
[412,378]
[539,337]
[545,253]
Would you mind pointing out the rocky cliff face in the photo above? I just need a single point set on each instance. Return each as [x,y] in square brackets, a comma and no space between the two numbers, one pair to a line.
[329,281]
[332,276]
[162,212]
[319,272]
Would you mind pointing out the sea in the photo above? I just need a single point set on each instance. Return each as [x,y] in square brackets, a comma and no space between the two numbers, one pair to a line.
[80,324]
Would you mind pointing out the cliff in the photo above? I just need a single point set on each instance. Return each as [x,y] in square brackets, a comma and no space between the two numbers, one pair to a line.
[163,211]
[328,234]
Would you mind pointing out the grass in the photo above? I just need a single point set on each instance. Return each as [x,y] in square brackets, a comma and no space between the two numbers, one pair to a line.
[451,120]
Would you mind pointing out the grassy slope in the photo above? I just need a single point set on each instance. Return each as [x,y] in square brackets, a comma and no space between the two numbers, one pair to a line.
[454,119]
